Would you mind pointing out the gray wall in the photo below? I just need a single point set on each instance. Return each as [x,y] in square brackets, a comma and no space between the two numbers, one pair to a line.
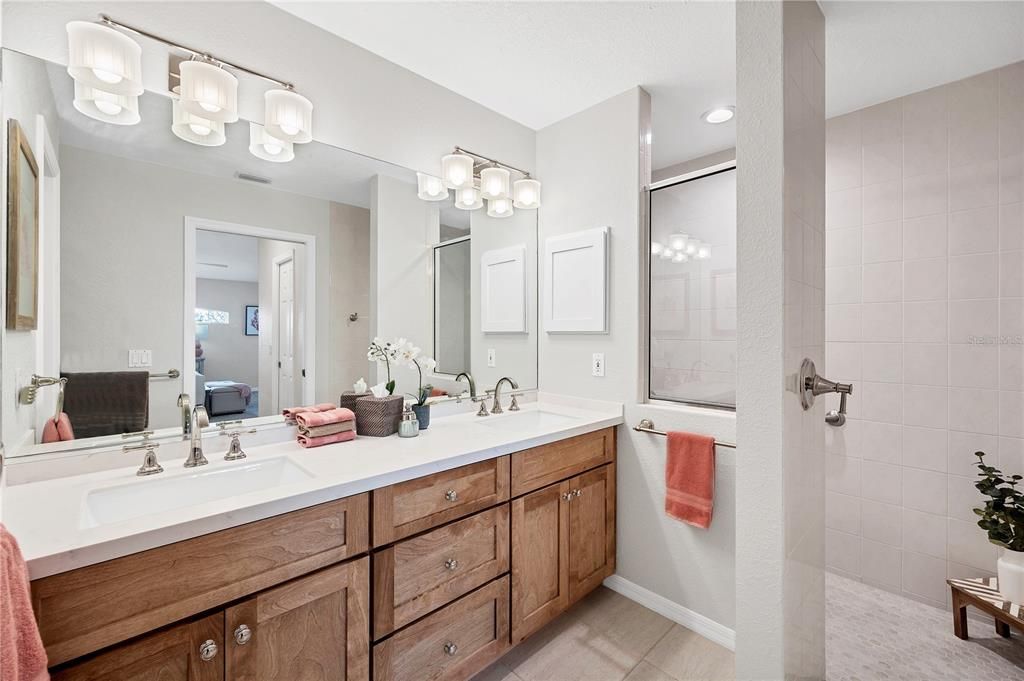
[230,354]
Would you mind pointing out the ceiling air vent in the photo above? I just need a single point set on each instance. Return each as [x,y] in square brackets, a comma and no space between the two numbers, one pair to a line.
[252,178]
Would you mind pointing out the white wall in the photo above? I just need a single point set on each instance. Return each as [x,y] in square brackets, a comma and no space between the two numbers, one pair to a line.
[362,102]
[589,185]
[230,354]
[780,624]
[453,288]
[925,301]
[28,80]
[350,292]
[106,274]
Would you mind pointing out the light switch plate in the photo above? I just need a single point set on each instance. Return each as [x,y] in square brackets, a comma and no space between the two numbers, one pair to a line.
[140,358]
[597,364]
[492,359]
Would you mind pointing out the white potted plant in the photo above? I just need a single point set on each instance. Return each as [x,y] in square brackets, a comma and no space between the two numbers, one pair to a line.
[1003,520]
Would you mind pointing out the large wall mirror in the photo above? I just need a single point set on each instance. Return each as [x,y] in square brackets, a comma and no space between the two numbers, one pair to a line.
[169,268]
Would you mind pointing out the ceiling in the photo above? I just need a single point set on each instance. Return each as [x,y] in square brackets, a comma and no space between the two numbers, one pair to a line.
[539,62]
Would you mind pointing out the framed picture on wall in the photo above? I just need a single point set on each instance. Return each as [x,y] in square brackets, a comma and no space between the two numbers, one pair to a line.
[22,231]
[252,320]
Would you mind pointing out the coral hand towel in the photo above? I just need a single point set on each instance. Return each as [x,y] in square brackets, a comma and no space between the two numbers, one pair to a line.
[59,430]
[311,419]
[22,656]
[307,441]
[291,412]
[690,478]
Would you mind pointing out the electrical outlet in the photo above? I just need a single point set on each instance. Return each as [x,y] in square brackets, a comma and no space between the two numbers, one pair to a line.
[492,359]
[597,364]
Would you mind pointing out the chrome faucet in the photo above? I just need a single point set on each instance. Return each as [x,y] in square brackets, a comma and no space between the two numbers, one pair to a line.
[150,466]
[469,379]
[200,419]
[496,407]
[185,405]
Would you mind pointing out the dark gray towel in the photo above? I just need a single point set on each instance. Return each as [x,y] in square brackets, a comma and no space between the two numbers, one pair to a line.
[107,402]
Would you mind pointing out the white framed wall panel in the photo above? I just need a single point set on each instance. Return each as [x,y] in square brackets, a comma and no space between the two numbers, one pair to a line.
[503,290]
[575,293]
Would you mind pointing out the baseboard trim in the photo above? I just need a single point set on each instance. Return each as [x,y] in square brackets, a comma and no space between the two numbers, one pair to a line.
[706,627]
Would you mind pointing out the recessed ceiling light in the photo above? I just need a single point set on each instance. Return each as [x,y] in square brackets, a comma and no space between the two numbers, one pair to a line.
[719,115]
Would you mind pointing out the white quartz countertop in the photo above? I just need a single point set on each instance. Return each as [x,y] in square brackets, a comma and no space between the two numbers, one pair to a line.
[70,522]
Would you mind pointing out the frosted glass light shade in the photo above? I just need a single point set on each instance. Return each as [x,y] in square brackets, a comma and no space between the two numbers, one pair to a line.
[104,58]
[494,183]
[457,170]
[262,145]
[527,194]
[678,240]
[194,129]
[105,106]
[468,198]
[704,251]
[680,257]
[430,188]
[209,91]
[500,208]
[691,247]
[666,254]
[289,116]
[656,248]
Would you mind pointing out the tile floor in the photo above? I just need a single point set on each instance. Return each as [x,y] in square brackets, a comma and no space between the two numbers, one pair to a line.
[607,637]
[873,634]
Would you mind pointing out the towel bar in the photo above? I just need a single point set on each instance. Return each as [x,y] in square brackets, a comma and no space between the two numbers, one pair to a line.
[173,373]
[647,426]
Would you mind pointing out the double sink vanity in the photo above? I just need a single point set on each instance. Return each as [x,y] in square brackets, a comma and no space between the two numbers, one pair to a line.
[390,558]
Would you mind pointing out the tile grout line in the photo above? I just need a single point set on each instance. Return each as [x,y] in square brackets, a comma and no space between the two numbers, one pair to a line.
[643,656]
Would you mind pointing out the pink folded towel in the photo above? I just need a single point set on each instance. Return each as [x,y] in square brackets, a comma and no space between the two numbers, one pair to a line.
[329,429]
[306,441]
[290,412]
[59,430]
[311,419]
[690,478]
[22,656]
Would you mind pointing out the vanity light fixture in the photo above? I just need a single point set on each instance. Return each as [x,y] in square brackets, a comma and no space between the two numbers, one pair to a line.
[103,58]
[680,257]
[475,177]
[430,188]
[718,115]
[106,106]
[704,251]
[457,170]
[209,91]
[192,128]
[494,183]
[468,198]
[691,247]
[289,115]
[526,193]
[678,241]
[656,248]
[667,254]
[265,146]
[499,208]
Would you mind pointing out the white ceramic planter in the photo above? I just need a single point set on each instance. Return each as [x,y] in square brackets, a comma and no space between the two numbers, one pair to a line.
[1010,570]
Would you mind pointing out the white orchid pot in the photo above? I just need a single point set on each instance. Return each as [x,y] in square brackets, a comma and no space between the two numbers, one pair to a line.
[1010,570]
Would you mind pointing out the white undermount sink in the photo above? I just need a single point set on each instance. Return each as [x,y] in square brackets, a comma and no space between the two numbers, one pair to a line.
[159,494]
[537,418]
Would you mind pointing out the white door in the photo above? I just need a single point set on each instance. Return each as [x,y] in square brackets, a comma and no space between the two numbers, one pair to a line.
[285,334]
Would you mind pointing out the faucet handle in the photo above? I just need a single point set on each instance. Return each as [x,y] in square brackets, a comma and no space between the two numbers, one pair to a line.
[483,405]
[150,465]
[223,425]
[515,403]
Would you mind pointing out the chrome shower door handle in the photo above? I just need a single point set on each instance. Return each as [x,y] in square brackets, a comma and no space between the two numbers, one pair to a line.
[810,385]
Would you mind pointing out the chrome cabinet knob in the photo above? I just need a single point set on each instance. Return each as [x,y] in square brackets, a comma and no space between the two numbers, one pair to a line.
[451,564]
[208,650]
[567,496]
[450,648]
[243,634]
[451,495]
[577,492]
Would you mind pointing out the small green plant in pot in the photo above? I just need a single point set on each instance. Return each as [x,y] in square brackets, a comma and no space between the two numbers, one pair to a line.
[1003,519]
[421,362]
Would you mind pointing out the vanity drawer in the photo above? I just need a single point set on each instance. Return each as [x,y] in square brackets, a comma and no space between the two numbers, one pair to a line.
[541,466]
[452,644]
[411,507]
[418,575]
[92,607]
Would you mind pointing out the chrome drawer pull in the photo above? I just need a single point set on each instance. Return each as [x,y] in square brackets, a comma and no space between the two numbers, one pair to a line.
[208,650]
[451,564]
[451,495]
[450,648]
[577,492]
[243,634]
[567,496]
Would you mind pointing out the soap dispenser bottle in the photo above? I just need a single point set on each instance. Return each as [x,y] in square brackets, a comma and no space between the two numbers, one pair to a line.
[408,426]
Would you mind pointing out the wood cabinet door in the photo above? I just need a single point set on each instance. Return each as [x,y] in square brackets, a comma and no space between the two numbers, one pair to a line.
[314,628]
[591,530]
[540,554]
[172,654]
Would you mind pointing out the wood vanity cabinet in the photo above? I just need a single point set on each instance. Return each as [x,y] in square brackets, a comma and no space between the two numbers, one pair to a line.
[563,547]
[318,622]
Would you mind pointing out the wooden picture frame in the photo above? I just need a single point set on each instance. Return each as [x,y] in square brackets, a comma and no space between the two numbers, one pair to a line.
[22,231]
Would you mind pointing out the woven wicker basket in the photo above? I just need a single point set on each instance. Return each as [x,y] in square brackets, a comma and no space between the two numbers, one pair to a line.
[379,416]
[348,399]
